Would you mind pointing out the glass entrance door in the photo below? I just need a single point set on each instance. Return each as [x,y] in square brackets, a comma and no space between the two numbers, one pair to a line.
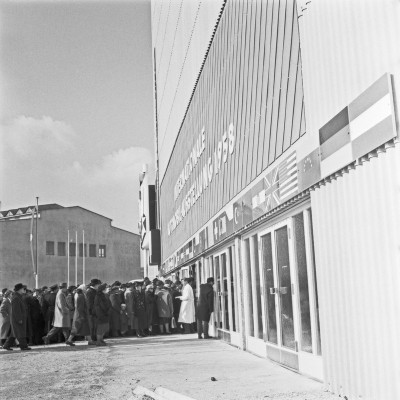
[290,298]
[225,307]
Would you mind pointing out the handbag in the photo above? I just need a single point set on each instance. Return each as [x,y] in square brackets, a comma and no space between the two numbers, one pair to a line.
[173,323]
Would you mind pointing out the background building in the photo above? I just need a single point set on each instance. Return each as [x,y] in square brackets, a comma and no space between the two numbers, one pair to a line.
[278,166]
[108,253]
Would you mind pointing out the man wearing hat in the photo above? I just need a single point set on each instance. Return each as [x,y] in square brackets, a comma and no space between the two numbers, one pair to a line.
[62,321]
[90,297]
[18,316]
[48,305]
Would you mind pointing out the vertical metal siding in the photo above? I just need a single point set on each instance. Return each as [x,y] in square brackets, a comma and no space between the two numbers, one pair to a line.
[356,221]
[248,79]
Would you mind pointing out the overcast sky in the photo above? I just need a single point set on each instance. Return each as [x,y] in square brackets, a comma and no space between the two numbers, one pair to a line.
[76,104]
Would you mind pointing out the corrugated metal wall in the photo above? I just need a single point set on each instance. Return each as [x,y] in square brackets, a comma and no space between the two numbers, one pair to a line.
[251,78]
[181,32]
[356,222]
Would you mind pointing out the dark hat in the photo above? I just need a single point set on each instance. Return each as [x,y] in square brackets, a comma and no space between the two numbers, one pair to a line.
[124,286]
[63,285]
[19,286]
[160,283]
[53,287]
[4,290]
[44,287]
[116,283]
[71,288]
[95,281]
[101,287]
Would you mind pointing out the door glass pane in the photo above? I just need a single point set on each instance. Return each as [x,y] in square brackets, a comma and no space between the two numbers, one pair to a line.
[224,297]
[233,283]
[316,288]
[257,288]
[268,270]
[306,338]
[218,321]
[285,292]
[247,283]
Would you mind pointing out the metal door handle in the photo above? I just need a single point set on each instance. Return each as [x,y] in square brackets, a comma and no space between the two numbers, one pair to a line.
[272,290]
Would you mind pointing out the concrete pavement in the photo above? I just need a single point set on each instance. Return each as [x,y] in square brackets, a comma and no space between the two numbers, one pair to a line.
[181,363]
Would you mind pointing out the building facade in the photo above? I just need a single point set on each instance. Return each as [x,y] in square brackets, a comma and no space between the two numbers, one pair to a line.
[278,170]
[74,245]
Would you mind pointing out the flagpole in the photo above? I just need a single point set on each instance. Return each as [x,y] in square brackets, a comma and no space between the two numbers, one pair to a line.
[68,258]
[76,258]
[37,253]
[83,255]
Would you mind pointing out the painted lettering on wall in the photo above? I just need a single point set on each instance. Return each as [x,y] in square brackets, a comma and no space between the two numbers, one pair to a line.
[205,175]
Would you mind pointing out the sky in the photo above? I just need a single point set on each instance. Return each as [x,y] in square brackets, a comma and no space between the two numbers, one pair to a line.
[76,105]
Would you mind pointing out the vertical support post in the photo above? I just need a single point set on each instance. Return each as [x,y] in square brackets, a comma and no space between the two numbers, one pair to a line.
[83,255]
[37,252]
[68,278]
[76,258]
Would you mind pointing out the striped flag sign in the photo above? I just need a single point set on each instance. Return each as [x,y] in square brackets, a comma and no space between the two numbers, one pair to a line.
[362,126]
[288,181]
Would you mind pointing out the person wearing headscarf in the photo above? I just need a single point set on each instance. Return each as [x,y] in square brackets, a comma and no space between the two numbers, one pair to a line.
[129,305]
[80,321]
[115,312]
[139,309]
[187,311]
[149,299]
[102,306]
[5,311]
[18,317]
[62,322]
[165,307]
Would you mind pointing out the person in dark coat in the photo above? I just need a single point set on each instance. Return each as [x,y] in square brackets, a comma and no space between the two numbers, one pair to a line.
[35,318]
[176,301]
[18,317]
[102,306]
[205,307]
[49,303]
[5,311]
[129,306]
[71,301]
[80,321]
[139,309]
[150,301]
[115,312]
[90,298]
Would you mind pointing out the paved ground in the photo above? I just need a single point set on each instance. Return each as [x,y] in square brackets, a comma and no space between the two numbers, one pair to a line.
[178,362]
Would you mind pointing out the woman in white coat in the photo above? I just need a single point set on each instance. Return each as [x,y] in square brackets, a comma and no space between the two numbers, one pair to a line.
[187,311]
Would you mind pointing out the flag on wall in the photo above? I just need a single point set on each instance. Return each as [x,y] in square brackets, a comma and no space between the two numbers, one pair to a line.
[371,117]
[309,169]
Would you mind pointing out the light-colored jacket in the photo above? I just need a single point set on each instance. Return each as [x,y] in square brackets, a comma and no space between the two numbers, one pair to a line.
[5,324]
[61,311]
[187,311]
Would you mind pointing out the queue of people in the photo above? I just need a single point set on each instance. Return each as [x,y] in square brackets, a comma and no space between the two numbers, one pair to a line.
[97,311]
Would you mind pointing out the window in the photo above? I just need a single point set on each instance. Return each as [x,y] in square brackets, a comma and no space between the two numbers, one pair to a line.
[81,250]
[72,249]
[61,248]
[102,250]
[50,248]
[92,250]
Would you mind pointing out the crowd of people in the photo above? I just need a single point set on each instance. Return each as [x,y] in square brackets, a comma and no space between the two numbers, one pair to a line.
[97,311]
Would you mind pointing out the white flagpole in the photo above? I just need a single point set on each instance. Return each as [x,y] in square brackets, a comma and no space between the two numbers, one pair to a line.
[76,258]
[68,257]
[83,255]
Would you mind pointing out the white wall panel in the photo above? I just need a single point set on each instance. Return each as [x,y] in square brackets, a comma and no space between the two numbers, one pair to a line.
[346,45]
[356,222]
